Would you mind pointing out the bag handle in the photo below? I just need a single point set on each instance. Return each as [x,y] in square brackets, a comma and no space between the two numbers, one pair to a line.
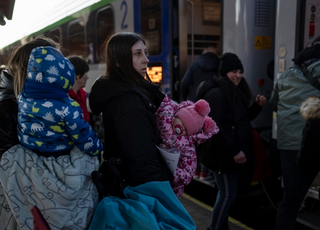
[98,177]
[309,76]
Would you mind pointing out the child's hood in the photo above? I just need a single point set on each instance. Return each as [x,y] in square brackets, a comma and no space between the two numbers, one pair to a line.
[48,70]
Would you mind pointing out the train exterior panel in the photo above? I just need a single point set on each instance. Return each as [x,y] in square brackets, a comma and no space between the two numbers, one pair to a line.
[248,30]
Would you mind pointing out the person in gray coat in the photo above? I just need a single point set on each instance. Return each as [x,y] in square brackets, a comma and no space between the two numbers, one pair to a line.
[290,90]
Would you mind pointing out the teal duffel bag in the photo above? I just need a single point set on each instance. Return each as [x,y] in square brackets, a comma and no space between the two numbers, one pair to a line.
[150,206]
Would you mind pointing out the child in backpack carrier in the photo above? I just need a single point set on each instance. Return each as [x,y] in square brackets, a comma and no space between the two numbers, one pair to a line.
[50,123]
[182,127]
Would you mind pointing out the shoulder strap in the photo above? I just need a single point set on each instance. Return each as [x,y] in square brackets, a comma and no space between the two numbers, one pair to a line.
[309,77]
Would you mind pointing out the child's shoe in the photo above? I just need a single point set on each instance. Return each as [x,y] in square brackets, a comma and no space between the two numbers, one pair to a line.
[196,175]
[205,176]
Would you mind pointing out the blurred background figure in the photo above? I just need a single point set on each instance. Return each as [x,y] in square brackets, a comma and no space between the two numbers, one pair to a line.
[77,92]
[203,69]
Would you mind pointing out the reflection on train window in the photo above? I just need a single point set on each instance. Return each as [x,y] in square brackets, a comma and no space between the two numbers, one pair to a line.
[105,28]
[151,25]
[76,38]
[56,35]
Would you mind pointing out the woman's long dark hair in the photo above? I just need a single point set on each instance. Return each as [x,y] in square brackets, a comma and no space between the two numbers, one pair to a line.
[118,56]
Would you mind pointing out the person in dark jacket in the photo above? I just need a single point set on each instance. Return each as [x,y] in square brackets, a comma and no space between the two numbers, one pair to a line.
[308,157]
[229,153]
[128,101]
[8,112]
[77,92]
[203,69]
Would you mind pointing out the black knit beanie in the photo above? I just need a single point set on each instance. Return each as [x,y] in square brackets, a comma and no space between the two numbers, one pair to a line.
[229,62]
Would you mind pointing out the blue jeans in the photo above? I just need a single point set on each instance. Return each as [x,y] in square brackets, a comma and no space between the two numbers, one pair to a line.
[228,187]
[295,188]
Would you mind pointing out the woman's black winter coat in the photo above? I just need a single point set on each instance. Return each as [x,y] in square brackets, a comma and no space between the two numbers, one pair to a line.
[8,113]
[130,130]
[233,120]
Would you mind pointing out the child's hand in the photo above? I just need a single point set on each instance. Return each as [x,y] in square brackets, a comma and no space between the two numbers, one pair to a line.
[164,146]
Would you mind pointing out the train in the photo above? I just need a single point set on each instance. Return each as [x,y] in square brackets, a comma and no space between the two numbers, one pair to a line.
[265,34]
[176,33]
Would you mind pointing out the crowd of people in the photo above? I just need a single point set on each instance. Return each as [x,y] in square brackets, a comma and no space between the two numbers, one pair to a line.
[48,148]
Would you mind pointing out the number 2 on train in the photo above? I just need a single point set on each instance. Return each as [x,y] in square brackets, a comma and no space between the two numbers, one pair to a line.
[125,6]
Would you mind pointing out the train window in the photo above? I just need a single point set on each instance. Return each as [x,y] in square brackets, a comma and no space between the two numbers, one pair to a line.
[76,38]
[56,35]
[105,28]
[151,25]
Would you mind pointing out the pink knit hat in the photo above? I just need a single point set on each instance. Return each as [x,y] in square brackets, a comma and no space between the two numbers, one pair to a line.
[195,117]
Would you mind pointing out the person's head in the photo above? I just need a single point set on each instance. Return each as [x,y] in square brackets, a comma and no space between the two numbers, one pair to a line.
[231,66]
[209,49]
[47,67]
[126,57]
[81,68]
[18,61]
[193,119]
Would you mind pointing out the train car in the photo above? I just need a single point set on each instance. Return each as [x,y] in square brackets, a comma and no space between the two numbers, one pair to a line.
[176,33]
[265,34]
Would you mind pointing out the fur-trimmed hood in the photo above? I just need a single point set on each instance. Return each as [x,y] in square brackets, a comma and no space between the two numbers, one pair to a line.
[310,108]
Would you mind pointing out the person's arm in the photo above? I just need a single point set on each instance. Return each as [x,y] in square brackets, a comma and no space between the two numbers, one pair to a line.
[164,116]
[186,167]
[80,131]
[134,135]
[219,113]
[201,137]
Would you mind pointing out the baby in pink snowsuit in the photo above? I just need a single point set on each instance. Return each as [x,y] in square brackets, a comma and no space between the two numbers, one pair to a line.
[183,127]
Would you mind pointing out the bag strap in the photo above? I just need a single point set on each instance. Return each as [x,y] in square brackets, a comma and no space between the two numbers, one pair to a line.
[309,76]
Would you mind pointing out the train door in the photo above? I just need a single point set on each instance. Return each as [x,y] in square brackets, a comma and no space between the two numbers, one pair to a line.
[298,24]
[244,27]
[198,26]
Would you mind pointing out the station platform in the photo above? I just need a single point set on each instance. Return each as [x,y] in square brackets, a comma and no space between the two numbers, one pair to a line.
[201,214]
